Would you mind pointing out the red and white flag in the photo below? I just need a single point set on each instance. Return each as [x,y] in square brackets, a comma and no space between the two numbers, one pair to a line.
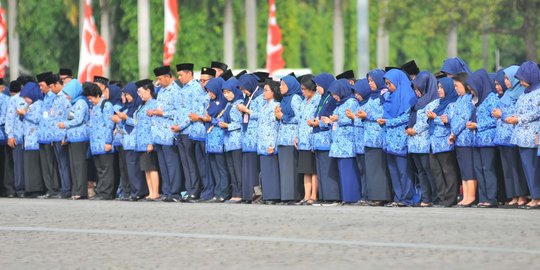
[3,43]
[94,55]
[274,50]
[171,30]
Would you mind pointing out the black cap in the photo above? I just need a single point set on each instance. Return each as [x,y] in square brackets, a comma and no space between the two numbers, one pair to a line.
[184,66]
[292,74]
[100,79]
[208,71]
[410,68]
[65,72]
[15,86]
[268,79]
[52,79]
[261,76]
[440,75]
[227,75]
[164,70]
[216,64]
[386,69]
[240,74]
[42,77]
[144,82]
[349,75]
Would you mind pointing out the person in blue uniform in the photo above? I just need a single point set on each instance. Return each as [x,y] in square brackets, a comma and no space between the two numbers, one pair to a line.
[514,178]
[304,140]
[362,93]
[377,177]
[49,168]
[443,161]
[484,125]
[231,123]
[526,120]
[343,142]
[170,102]
[252,86]
[397,108]
[288,113]
[5,157]
[219,67]
[31,113]
[267,133]
[349,75]
[144,144]
[463,138]
[418,142]
[100,126]
[454,65]
[117,98]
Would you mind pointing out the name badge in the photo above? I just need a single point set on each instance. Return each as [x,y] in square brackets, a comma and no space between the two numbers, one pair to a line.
[45,115]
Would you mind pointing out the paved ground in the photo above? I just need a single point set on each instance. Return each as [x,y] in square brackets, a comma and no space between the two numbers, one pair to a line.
[52,234]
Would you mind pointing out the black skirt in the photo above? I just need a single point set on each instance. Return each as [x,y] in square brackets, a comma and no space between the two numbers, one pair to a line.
[306,162]
[149,161]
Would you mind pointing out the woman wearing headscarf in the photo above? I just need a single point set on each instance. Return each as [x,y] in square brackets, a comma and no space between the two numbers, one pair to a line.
[527,125]
[362,93]
[377,177]
[288,114]
[113,93]
[248,84]
[514,178]
[454,65]
[443,161]
[484,152]
[31,113]
[77,138]
[343,144]
[304,140]
[267,133]
[397,108]
[124,119]
[231,123]
[418,143]
[327,171]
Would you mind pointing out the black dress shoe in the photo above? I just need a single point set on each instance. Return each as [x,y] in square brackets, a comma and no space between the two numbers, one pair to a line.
[167,200]
[99,198]
[488,205]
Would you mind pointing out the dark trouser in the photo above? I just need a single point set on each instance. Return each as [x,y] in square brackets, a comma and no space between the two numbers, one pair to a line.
[169,165]
[514,177]
[79,168]
[9,181]
[425,177]
[33,181]
[250,174]
[361,165]
[218,167]
[18,168]
[136,177]
[121,174]
[400,173]
[377,176]
[328,176]
[484,170]
[350,181]
[288,165]
[234,166]
[270,177]
[446,174]
[62,159]
[49,168]
[205,179]
[186,149]
[531,167]
[105,173]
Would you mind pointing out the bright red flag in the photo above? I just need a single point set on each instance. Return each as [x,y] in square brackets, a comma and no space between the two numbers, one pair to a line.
[94,55]
[3,43]
[274,50]
[171,30]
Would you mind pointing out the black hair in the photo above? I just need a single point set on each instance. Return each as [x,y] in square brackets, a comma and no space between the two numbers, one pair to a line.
[91,90]
[55,78]
[274,87]
[24,79]
[150,86]
[462,78]
[15,86]
[308,83]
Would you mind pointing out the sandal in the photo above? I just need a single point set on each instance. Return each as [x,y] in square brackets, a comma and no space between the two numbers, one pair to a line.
[311,202]
[76,197]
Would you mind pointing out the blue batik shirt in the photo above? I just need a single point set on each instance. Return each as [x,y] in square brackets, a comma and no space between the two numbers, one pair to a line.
[249,137]
[305,132]
[440,133]
[199,103]
[359,130]
[420,143]
[343,142]
[395,141]
[58,113]
[31,126]
[233,134]
[4,102]
[45,132]
[486,124]
[171,101]
[100,128]
[268,127]
[459,116]
[528,114]
[14,123]
[288,127]
[373,132]
[143,125]
[76,129]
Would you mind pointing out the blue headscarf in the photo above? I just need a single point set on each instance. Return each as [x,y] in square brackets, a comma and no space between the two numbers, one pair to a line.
[362,87]
[249,82]
[115,94]
[286,102]
[31,90]
[454,66]
[499,78]
[512,94]
[450,95]
[481,84]
[530,73]
[217,104]
[342,89]
[426,83]
[74,90]
[131,107]
[231,85]
[327,104]
[402,99]
[378,77]
[324,80]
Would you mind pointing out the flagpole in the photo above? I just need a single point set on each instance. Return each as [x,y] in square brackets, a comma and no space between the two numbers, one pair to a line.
[13,40]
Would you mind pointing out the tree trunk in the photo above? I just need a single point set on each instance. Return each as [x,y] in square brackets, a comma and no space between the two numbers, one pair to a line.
[13,40]
[339,46]
[530,30]
[143,36]
[362,17]
[452,50]
[105,33]
[251,34]
[82,5]
[383,41]
[228,34]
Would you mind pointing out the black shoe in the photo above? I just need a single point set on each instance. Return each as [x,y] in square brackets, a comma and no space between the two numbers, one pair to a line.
[488,205]
[168,199]
[233,201]
[46,196]
[216,200]
[98,198]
